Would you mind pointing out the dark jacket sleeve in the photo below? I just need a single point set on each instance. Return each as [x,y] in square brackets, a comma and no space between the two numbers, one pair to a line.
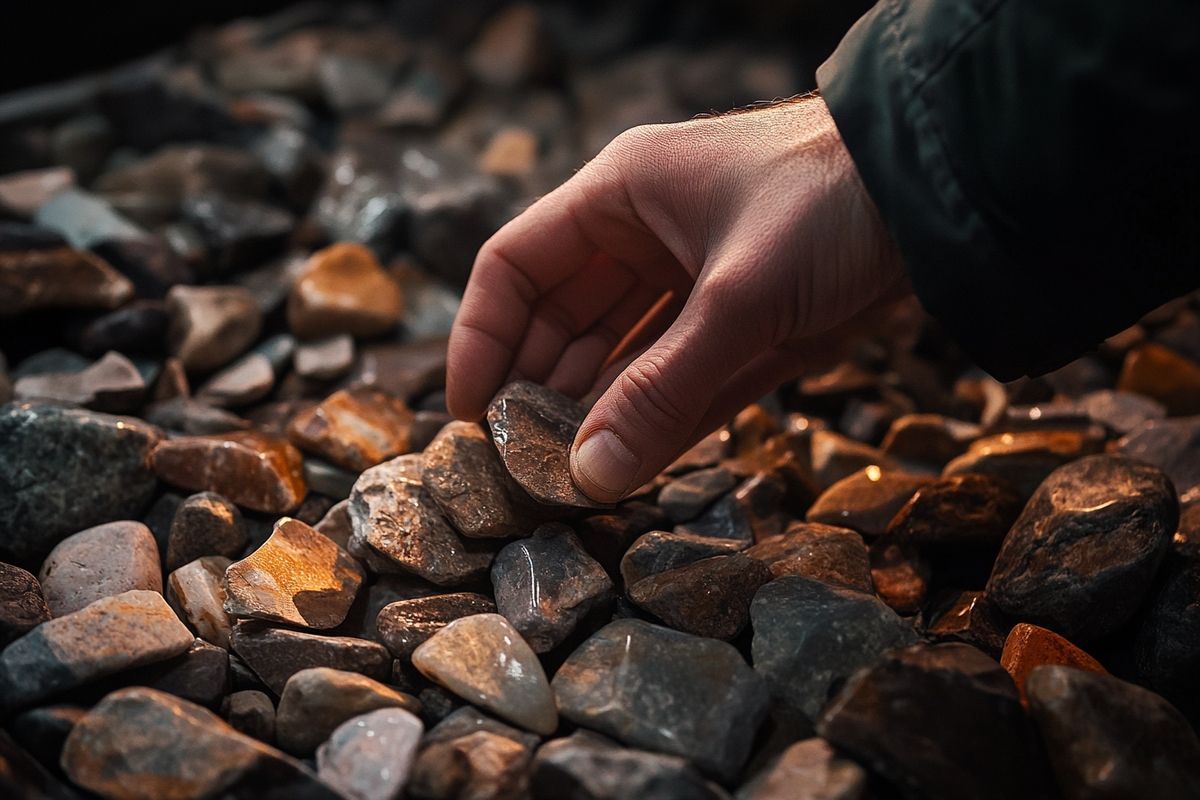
[1037,161]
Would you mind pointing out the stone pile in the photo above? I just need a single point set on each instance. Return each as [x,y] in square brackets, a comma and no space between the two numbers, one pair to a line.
[245,552]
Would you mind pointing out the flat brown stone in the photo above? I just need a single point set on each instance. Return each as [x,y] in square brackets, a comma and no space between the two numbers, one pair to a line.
[710,597]
[865,501]
[211,325]
[253,470]
[343,289]
[900,576]
[100,562]
[197,593]
[811,550]
[835,457]
[929,438]
[298,576]
[354,428]
[1023,459]
[276,654]
[59,277]
[1029,646]
[325,359]
[205,524]
[316,701]
[533,428]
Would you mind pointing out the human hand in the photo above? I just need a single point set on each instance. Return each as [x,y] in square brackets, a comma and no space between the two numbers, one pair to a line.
[748,238]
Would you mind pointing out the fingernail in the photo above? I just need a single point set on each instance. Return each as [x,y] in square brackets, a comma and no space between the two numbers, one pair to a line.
[603,467]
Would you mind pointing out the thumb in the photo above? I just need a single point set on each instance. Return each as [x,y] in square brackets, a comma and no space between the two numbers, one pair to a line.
[649,413]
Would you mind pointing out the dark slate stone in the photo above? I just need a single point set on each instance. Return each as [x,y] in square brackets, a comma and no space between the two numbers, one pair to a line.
[238,233]
[1170,445]
[275,654]
[1081,557]
[659,551]
[139,327]
[685,497]
[63,470]
[710,597]
[663,690]
[403,625]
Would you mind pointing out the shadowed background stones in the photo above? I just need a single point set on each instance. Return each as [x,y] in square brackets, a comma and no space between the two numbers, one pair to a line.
[905,718]
[826,553]
[197,593]
[354,428]
[667,691]
[1029,647]
[533,428]
[276,654]
[959,512]
[465,477]
[808,770]
[588,766]
[250,712]
[660,551]
[58,277]
[100,562]
[251,377]
[685,497]
[1170,445]
[298,576]
[485,661]
[205,524]
[112,384]
[709,597]
[808,636]
[547,584]
[969,617]
[254,470]
[211,325]
[117,751]
[1081,556]
[865,501]
[1161,373]
[928,438]
[396,519]
[110,635]
[22,605]
[370,756]
[1167,649]
[63,470]
[316,701]
[1108,738]
[1023,459]
[343,289]
[406,624]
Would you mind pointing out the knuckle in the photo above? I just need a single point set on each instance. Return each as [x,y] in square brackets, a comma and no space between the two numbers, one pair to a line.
[652,398]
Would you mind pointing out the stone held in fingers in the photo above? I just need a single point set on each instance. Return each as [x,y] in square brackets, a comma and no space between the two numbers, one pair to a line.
[117,750]
[370,757]
[405,624]
[100,562]
[354,428]
[254,470]
[110,635]
[298,576]
[667,691]
[276,654]
[827,553]
[710,597]
[22,604]
[343,289]
[1029,647]
[534,428]
[205,524]
[211,325]
[316,701]
[197,593]
[1082,555]
[484,660]
[547,584]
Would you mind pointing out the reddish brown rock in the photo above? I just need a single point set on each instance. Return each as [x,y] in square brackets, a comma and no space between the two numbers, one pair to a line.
[343,289]
[961,511]
[865,501]
[659,551]
[354,428]
[205,524]
[59,277]
[197,593]
[826,553]
[900,576]
[1023,459]
[835,457]
[710,597]
[969,617]
[298,576]
[511,152]
[253,470]
[1161,373]
[1029,646]
[211,325]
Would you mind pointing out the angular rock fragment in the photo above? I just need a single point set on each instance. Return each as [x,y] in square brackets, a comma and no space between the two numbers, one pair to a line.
[205,524]
[325,359]
[969,617]
[865,501]
[482,765]
[117,751]
[826,553]
[58,277]
[110,635]
[465,477]
[710,597]
[354,428]
[667,691]
[533,428]
[22,604]
[929,438]
[43,731]
[100,562]
[958,512]
[484,660]
[250,378]
[316,701]
[808,770]
[685,497]
[547,584]
[193,418]
[211,325]
[276,654]
[63,470]
[835,457]
[1081,556]
[200,675]
[197,593]
[1109,738]
[398,524]
[111,384]
[1023,459]
[254,470]
[588,766]
[343,290]
[251,712]
[405,624]
[900,576]
[298,577]
[1029,647]
[659,551]
[370,756]
[906,716]
[808,636]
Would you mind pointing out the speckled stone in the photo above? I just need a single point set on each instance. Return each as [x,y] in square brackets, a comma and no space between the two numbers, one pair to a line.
[63,470]
[370,756]
[197,593]
[316,701]
[533,428]
[667,691]
[108,636]
[211,325]
[117,751]
[865,501]
[252,469]
[710,597]
[485,661]
[100,562]
[354,428]
[1081,557]
[276,654]
[405,624]
[205,524]
[827,553]
[547,584]
[22,605]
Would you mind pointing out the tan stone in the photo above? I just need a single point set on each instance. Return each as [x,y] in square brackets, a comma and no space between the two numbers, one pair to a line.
[343,289]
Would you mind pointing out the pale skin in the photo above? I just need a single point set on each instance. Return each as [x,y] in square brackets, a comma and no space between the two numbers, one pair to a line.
[758,226]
